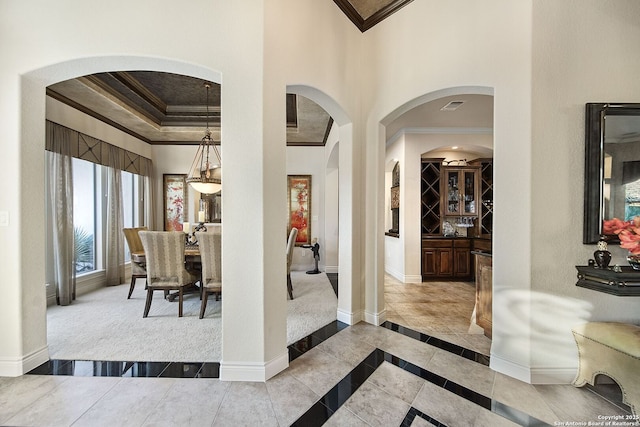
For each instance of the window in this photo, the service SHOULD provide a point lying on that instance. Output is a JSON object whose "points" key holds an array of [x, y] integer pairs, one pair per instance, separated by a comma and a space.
{"points": [[632, 199], [88, 211], [84, 214], [132, 204]]}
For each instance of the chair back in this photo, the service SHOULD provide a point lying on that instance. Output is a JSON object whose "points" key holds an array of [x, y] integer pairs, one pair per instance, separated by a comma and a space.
{"points": [[210, 246], [291, 243], [164, 252], [133, 239]]}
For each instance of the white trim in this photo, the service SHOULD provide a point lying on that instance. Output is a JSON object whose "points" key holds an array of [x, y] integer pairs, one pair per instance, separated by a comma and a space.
{"points": [[553, 375], [510, 368], [404, 278], [439, 131], [546, 375], [254, 371], [331, 269], [349, 318], [15, 367], [375, 318]]}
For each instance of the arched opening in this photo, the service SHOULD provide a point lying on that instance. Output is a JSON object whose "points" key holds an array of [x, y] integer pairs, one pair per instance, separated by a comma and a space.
{"points": [[35, 85], [33, 115], [338, 201], [432, 290]]}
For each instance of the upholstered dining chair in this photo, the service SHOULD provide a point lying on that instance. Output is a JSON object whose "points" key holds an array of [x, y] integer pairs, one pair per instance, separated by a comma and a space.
{"points": [[291, 243], [164, 252], [210, 246], [138, 261]]}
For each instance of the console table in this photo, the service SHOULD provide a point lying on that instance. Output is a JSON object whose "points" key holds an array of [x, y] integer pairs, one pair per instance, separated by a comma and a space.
{"points": [[623, 283]]}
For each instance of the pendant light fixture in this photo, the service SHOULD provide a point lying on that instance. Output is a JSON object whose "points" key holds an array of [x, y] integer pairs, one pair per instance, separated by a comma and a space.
{"points": [[205, 173]]}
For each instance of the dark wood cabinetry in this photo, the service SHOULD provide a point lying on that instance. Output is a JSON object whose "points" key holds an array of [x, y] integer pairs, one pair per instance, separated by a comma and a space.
{"points": [[446, 259], [485, 217], [430, 196]]}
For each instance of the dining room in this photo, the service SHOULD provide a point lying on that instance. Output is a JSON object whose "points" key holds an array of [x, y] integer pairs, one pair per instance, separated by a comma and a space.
{"points": [[156, 192]]}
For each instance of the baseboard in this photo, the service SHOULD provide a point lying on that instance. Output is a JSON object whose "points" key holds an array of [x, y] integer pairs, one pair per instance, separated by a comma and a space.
{"points": [[393, 273], [348, 317], [511, 369], [375, 318], [404, 278], [331, 269], [553, 375], [546, 375], [20, 366], [253, 371]]}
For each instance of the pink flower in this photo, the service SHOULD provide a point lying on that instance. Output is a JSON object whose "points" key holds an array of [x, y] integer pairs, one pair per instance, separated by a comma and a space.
{"points": [[628, 232]]}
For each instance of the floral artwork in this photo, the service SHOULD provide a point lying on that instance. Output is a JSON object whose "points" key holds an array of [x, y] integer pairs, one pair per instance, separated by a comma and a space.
{"points": [[627, 231], [175, 202], [299, 195]]}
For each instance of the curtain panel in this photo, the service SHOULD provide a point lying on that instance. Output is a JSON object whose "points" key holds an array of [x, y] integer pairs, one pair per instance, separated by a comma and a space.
{"points": [[60, 180], [62, 144]]}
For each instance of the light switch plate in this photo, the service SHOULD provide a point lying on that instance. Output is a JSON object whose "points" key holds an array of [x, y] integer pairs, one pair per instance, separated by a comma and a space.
{"points": [[4, 218]]}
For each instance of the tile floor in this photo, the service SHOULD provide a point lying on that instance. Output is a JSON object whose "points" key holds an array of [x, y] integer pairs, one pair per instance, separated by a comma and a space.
{"points": [[407, 372]]}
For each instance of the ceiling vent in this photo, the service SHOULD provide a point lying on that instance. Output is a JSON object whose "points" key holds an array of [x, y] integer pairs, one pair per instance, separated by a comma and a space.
{"points": [[452, 106]]}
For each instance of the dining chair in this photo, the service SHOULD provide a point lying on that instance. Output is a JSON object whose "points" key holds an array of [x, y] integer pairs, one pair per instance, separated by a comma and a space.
{"points": [[164, 252], [138, 261], [210, 246], [291, 243]]}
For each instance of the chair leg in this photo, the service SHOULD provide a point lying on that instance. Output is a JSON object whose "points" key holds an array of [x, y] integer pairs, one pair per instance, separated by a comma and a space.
{"points": [[289, 286], [147, 306], [203, 304], [133, 285], [180, 296]]}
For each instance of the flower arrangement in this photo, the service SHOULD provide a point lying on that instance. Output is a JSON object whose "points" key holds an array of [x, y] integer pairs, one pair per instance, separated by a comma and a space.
{"points": [[627, 231]]}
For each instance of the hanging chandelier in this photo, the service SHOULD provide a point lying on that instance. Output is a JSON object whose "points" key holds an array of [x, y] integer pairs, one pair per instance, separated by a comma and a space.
{"points": [[205, 173]]}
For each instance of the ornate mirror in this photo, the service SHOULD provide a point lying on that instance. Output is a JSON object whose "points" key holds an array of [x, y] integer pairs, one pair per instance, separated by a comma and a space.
{"points": [[612, 165]]}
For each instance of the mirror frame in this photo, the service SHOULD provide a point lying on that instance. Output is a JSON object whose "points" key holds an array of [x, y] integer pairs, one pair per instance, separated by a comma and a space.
{"points": [[594, 164]]}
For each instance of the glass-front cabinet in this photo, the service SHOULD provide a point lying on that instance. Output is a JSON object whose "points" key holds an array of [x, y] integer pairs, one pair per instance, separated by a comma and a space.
{"points": [[461, 191]]}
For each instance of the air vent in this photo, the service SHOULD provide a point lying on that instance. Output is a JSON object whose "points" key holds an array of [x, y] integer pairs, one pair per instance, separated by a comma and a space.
{"points": [[452, 106]]}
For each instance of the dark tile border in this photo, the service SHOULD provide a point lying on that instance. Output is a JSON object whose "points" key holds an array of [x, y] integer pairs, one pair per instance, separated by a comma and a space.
{"points": [[437, 342], [322, 410], [341, 392], [98, 368]]}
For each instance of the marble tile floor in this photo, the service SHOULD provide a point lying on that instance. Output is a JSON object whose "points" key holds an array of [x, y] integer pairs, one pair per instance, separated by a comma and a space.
{"points": [[361, 375]]}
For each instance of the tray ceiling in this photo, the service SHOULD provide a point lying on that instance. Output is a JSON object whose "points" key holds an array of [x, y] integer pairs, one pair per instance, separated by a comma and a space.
{"points": [[165, 108]]}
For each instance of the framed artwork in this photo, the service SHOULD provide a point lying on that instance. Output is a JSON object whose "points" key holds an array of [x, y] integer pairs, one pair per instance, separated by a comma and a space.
{"points": [[299, 202], [175, 201]]}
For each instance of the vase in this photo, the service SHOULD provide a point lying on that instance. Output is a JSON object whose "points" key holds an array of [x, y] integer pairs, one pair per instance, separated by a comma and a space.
{"points": [[634, 261], [602, 255], [602, 258]]}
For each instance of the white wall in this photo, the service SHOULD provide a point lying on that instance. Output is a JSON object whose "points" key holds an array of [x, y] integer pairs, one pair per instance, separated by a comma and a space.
{"points": [[595, 59], [490, 54], [542, 60], [49, 50]]}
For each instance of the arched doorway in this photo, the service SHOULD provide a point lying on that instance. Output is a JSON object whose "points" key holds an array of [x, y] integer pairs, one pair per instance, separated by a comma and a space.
{"points": [[32, 134], [339, 161], [422, 128]]}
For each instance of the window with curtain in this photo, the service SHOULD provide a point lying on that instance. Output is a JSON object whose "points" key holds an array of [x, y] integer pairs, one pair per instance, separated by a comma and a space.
{"points": [[132, 201], [111, 188], [84, 215], [88, 211]]}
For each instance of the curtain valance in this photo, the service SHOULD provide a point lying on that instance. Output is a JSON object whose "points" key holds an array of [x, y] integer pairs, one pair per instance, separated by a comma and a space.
{"points": [[61, 139]]}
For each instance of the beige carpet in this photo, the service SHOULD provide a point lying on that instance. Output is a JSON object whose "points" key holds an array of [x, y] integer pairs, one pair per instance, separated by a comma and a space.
{"points": [[104, 325]]}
